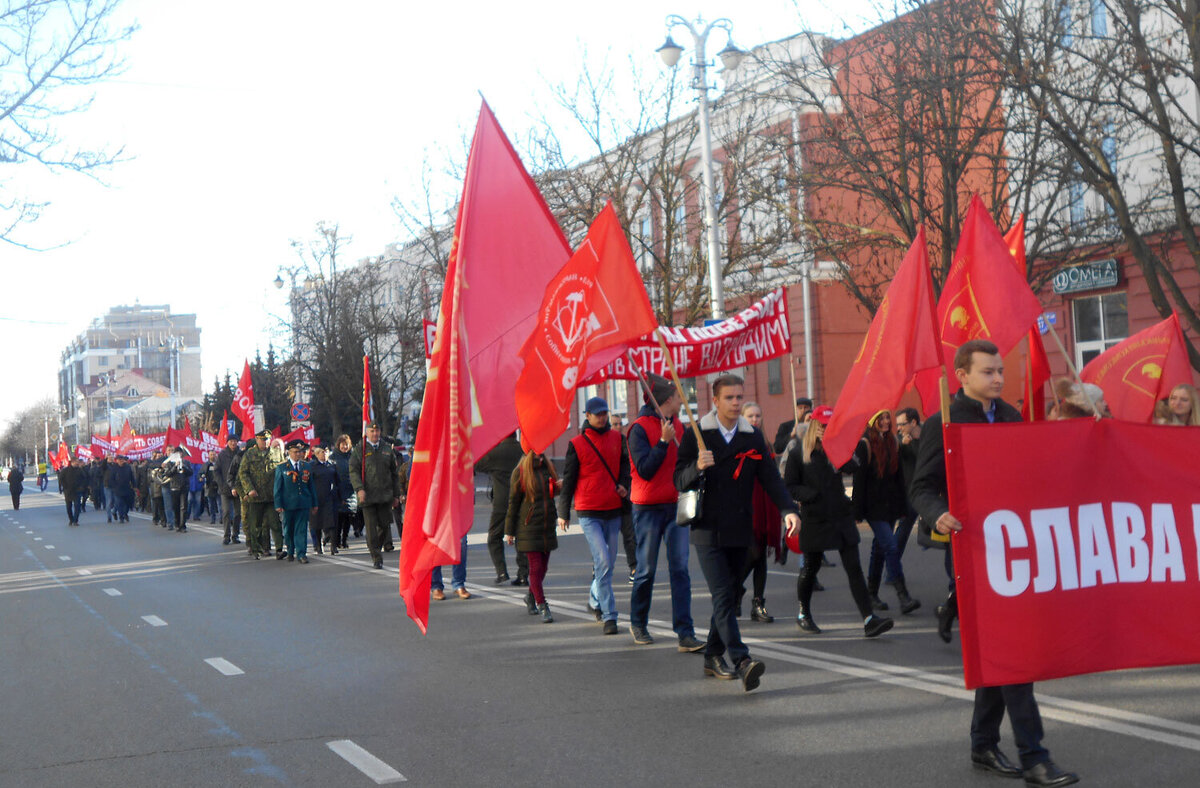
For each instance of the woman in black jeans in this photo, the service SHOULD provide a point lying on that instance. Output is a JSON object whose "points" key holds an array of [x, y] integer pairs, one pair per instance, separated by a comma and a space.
{"points": [[826, 524]]}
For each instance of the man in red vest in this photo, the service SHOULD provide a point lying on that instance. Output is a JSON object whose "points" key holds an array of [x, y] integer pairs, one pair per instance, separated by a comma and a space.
{"points": [[596, 477], [653, 445]]}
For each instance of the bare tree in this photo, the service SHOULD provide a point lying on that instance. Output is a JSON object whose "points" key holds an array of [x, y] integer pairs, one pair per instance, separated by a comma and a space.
{"points": [[52, 54], [26, 431], [1117, 86]]}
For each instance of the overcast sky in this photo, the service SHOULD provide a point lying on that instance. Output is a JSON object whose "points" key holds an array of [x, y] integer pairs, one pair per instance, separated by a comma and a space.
{"points": [[249, 121]]}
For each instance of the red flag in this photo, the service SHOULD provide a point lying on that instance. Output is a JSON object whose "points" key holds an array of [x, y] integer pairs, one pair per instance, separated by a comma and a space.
{"points": [[243, 403], [901, 341], [276, 431], [1143, 369], [368, 407], [506, 248], [187, 426], [223, 430], [597, 301], [1037, 366], [64, 455], [126, 441], [984, 298]]}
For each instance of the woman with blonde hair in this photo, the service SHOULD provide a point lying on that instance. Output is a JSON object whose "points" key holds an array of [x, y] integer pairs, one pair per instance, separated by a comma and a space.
{"points": [[1183, 406], [768, 534], [532, 514]]}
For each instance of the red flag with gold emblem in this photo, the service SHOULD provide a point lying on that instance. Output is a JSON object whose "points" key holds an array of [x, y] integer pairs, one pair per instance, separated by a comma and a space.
{"points": [[900, 342], [1037, 366], [506, 248], [597, 301], [1137, 373], [984, 298]]}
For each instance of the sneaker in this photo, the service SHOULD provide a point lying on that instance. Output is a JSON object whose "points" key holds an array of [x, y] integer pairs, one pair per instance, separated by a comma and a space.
{"points": [[689, 645], [631, 574], [640, 636], [610, 627]]}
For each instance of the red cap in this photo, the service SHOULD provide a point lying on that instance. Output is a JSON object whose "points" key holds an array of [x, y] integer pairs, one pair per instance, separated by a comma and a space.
{"points": [[822, 414]]}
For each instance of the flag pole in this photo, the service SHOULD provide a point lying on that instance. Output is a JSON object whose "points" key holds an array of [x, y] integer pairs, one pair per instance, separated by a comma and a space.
{"points": [[679, 390], [1074, 372]]}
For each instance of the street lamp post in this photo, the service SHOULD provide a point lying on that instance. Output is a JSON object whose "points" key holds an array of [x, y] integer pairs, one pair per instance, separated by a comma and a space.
{"points": [[173, 344], [730, 56], [109, 379]]}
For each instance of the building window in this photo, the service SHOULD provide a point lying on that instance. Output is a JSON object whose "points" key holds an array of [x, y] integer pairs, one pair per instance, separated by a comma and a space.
{"points": [[645, 238], [1100, 322], [619, 401], [1075, 207], [1099, 18], [681, 238], [775, 376]]}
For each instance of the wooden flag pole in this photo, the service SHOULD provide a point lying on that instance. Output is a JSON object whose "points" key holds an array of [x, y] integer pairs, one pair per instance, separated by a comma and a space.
{"points": [[646, 387], [1074, 372], [679, 389]]}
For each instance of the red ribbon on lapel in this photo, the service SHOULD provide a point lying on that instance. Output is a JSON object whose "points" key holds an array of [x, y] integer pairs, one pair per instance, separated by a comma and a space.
{"points": [[741, 458]]}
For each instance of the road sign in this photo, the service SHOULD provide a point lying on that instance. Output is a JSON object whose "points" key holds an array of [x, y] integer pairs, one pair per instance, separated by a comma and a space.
{"points": [[300, 412]]}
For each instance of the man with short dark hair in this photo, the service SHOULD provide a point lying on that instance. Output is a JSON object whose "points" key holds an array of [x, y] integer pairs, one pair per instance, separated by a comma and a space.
{"points": [[225, 469], [734, 459], [979, 368], [73, 484], [794, 428], [377, 480], [294, 498]]}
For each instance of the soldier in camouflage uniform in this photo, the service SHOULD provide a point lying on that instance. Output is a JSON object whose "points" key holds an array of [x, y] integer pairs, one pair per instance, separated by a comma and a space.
{"points": [[379, 492], [256, 484]]}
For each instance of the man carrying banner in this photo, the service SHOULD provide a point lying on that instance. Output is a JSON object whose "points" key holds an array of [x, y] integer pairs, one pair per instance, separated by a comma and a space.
{"points": [[734, 458], [653, 445], [979, 368]]}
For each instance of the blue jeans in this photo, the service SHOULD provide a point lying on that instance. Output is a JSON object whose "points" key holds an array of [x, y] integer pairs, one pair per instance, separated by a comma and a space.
{"points": [[458, 575], [884, 553], [195, 497], [652, 525], [110, 498], [601, 535], [214, 508], [170, 505]]}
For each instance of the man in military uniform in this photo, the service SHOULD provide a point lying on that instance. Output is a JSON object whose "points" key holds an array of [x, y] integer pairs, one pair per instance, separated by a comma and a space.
{"points": [[294, 497], [256, 488], [377, 479]]}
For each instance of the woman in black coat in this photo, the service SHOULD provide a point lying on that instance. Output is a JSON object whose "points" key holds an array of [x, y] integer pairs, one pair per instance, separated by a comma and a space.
{"points": [[347, 510], [826, 524], [15, 486], [529, 524], [323, 519]]}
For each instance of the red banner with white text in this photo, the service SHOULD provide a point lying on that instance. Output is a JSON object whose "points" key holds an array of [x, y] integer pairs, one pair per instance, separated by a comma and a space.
{"points": [[758, 333], [1079, 548]]}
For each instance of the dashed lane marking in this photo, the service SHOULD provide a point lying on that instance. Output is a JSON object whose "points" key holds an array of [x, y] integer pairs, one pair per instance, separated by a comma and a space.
{"points": [[154, 621], [224, 666], [365, 762], [112, 592], [64, 558], [84, 572]]}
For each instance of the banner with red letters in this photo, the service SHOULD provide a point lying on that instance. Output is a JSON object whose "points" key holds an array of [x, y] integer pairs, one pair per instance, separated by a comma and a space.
{"points": [[1080, 548], [758, 333]]}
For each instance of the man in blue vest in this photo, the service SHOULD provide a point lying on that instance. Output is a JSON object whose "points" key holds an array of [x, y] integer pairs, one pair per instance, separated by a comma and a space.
{"points": [[653, 445], [294, 499]]}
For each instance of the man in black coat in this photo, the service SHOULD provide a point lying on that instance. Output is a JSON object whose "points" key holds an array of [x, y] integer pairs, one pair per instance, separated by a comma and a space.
{"points": [[787, 430], [735, 457], [73, 483], [225, 469], [979, 367], [120, 483], [499, 463]]}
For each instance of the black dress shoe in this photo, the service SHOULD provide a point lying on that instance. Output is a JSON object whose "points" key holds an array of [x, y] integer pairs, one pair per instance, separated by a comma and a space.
{"points": [[750, 671], [718, 668], [806, 624], [502, 578], [378, 563], [1047, 775], [992, 760], [521, 581], [280, 556], [387, 548]]}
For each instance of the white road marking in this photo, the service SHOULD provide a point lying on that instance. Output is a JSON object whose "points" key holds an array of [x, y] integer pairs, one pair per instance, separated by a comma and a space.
{"points": [[48, 546], [365, 762], [154, 621], [64, 558], [112, 592], [224, 666], [37, 538], [83, 572]]}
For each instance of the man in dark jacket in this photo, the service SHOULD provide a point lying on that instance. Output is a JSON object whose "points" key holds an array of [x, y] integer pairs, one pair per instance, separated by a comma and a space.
{"points": [[653, 445], [734, 458], [73, 483], [120, 483], [979, 367], [376, 476], [225, 469], [788, 429], [499, 463]]}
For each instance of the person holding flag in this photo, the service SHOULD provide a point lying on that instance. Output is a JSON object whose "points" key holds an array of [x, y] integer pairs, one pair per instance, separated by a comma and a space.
{"points": [[979, 368]]}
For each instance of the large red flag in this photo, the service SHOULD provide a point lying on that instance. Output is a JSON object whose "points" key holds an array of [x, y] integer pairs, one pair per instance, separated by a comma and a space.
{"points": [[64, 455], [901, 341], [243, 403], [597, 301], [1143, 369], [507, 246], [126, 441], [223, 430], [368, 407], [1037, 366], [984, 298]]}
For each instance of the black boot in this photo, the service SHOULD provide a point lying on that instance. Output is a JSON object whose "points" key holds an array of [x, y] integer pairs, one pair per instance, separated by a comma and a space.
{"points": [[530, 604], [873, 592], [907, 603], [738, 605], [804, 589], [547, 618], [758, 611], [946, 613]]}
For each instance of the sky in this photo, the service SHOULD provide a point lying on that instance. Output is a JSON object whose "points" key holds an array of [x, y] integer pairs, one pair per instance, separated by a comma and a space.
{"points": [[246, 123]]}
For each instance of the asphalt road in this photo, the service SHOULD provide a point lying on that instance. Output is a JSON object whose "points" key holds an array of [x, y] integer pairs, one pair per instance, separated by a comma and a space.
{"points": [[133, 656]]}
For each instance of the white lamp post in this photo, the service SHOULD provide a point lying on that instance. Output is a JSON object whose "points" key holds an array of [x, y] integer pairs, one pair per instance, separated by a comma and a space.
{"points": [[730, 56]]}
